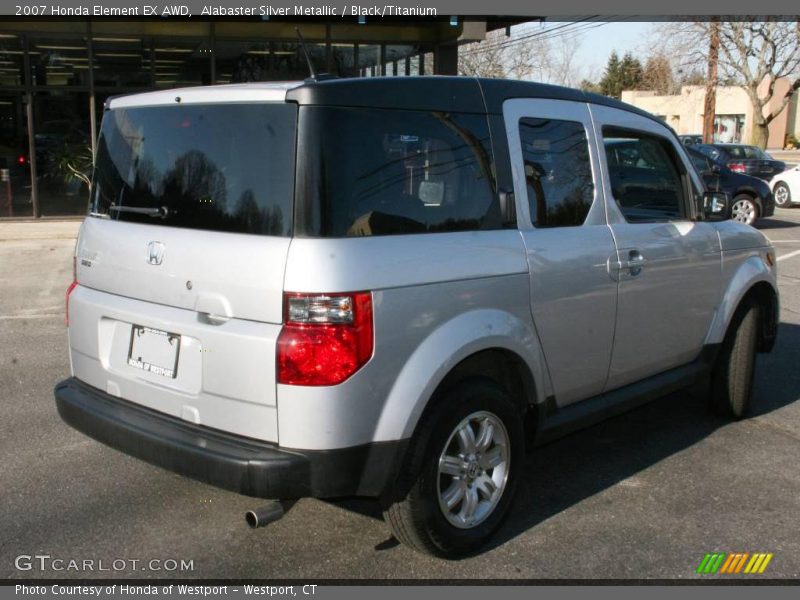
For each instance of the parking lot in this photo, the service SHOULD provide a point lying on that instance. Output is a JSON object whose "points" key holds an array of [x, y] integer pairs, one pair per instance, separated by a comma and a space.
{"points": [[644, 495]]}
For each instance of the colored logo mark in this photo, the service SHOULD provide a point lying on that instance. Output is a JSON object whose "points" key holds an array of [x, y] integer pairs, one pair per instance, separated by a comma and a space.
{"points": [[734, 562]]}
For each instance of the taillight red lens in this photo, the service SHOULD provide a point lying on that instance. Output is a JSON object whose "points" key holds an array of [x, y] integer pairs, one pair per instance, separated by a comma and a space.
{"points": [[325, 338], [70, 288], [738, 167]]}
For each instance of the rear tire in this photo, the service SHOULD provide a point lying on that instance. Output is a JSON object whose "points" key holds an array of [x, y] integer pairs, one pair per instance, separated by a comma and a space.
{"points": [[782, 195], [456, 487], [732, 377]]}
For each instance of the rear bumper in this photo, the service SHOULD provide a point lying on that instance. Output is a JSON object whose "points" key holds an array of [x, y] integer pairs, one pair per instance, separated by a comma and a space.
{"points": [[224, 460]]}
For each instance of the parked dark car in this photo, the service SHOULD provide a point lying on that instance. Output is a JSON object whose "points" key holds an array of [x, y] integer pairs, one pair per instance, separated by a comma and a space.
{"points": [[750, 160], [751, 197], [691, 139]]}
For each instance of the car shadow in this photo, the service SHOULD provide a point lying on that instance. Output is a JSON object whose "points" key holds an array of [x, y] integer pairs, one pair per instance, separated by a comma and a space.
{"points": [[565, 472], [774, 223]]}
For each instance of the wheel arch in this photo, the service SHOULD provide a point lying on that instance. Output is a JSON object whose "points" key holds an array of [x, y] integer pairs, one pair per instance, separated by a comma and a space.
{"points": [[753, 281], [753, 195], [763, 294], [505, 368], [484, 343]]}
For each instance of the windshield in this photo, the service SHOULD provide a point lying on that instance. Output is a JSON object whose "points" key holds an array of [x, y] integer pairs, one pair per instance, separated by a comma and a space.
{"points": [[223, 167]]}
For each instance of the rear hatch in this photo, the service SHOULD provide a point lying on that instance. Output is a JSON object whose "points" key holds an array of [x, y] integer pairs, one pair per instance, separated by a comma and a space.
{"points": [[181, 262]]}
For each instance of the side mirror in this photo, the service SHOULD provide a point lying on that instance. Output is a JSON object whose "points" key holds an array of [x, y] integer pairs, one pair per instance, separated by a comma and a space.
{"points": [[508, 207], [716, 206]]}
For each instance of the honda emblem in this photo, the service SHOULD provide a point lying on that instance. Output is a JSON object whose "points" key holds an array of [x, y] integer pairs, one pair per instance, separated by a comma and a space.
{"points": [[155, 253]]}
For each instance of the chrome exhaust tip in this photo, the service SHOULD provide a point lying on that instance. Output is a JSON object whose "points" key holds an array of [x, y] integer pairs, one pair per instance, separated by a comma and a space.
{"points": [[264, 515]]}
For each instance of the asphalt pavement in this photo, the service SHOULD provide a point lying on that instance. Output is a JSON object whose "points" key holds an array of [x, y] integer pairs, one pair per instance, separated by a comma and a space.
{"points": [[645, 495]]}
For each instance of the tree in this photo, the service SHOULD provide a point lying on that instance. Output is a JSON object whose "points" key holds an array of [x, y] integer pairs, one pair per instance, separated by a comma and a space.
{"points": [[524, 55], [752, 55], [590, 86], [500, 57], [625, 74], [657, 75], [760, 53], [710, 105]]}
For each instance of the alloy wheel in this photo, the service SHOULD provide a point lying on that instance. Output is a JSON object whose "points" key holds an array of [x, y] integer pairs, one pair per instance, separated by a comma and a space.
{"points": [[744, 211], [781, 195], [473, 469]]}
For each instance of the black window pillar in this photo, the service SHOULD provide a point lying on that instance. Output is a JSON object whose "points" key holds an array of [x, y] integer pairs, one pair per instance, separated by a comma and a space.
{"points": [[445, 59]]}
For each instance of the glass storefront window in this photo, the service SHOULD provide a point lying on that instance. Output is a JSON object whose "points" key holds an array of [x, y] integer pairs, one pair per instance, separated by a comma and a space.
{"points": [[59, 61], [290, 62], [414, 69], [243, 61], [343, 60], [399, 53], [728, 128], [15, 173], [129, 60], [63, 149], [121, 62], [11, 61], [181, 62], [427, 63], [368, 58]]}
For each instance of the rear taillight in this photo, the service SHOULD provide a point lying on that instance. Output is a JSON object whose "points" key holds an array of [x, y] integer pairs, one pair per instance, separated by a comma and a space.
{"points": [[325, 338], [738, 167], [70, 288]]}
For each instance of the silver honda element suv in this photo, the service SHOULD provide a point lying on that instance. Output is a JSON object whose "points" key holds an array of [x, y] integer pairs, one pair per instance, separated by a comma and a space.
{"points": [[395, 287]]}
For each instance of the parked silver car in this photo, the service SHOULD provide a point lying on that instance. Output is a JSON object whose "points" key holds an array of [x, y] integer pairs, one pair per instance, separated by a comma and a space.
{"points": [[394, 287]]}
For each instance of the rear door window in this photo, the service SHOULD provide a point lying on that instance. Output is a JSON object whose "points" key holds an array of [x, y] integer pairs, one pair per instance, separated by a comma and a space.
{"points": [[221, 167], [381, 172], [558, 173]]}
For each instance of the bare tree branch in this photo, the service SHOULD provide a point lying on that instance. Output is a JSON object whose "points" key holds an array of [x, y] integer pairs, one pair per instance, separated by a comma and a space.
{"points": [[754, 54]]}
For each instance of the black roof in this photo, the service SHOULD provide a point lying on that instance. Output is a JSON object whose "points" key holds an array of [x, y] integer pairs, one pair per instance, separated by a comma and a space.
{"points": [[447, 94]]}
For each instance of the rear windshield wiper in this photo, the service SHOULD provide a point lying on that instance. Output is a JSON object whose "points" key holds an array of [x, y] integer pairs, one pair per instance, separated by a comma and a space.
{"points": [[161, 212]]}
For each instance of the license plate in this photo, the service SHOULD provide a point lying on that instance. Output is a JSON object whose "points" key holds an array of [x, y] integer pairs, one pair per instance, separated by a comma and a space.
{"points": [[154, 351]]}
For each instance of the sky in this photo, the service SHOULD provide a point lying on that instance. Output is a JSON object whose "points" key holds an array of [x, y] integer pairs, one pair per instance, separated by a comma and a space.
{"points": [[597, 43], [596, 40]]}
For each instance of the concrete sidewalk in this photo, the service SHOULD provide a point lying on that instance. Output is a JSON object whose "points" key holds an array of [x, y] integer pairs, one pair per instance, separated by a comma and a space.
{"points": [[790, 157], [39, 230]]}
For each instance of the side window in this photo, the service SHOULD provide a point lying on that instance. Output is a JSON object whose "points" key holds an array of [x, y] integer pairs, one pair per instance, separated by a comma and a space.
{"points": [[701, 163], [558, 173], [384, 172], [645, 175]]}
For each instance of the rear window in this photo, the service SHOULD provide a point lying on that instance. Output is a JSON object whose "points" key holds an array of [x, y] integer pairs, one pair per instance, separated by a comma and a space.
{"points": [[746, 152], [215, 167], [384, 172]]}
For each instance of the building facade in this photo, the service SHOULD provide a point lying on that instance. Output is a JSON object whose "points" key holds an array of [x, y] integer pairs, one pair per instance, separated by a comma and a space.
{"points": [[55, 76], [734, 112]]}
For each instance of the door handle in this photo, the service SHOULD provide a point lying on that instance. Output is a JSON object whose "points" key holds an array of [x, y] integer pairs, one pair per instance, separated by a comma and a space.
{"points": [[213, 319], [634, 263]]}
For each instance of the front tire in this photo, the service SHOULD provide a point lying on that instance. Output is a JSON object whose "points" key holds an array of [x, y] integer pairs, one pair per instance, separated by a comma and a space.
{"points": [[782, 195], [459, 479], [744, 209], [733, 374]]}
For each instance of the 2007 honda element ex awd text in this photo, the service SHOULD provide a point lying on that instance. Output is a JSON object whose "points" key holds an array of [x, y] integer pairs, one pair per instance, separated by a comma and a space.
{"points": [[394, 287]]}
